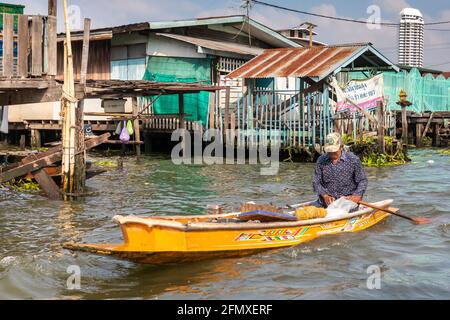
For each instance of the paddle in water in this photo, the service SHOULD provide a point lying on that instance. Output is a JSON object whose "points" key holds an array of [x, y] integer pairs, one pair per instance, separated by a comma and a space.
{"points": [[417, 220]]}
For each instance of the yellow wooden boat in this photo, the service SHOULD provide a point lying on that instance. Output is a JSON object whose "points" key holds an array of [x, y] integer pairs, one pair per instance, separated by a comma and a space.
{"points": [[177, 239]]}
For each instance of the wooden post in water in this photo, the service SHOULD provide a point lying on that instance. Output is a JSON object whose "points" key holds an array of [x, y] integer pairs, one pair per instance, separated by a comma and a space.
{"points": [[419, 128], [404, 125], [136, 126], [227, 109], [380, 120], [71, 182], [181, 110], [35, 139], [182, 125], [79, 174], [212, 108], [22, 142]]}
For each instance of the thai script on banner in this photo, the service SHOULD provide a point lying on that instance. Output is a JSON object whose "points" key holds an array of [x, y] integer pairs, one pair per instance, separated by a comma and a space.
{"points": [[364, 93]]}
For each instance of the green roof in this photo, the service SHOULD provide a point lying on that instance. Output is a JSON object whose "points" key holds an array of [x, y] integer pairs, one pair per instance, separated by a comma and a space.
{"points": [[11, 8]]}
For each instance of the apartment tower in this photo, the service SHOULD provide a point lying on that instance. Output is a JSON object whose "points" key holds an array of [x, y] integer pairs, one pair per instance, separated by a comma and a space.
{"points": [[411, 38]]}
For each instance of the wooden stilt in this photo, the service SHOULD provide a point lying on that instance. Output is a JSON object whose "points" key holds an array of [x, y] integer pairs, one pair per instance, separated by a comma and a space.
{"points": [[148, 142], [35, 139], [419, 128], [227, 108], [212, 109], [181, 110], [404, 126], [380, 120], [22, 143], [136, 126], [79, 176]]}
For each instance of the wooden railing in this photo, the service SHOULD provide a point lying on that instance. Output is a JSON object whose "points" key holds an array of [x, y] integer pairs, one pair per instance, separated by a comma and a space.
{"points": [[168, 123], [28, 46]]}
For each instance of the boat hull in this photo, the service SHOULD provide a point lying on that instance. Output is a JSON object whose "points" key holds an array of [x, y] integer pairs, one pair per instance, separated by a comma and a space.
{"points": [[167, 244]]}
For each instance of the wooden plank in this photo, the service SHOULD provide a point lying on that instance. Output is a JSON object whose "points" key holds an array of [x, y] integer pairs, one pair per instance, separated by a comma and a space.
{"points": [[52, 47], [85, 50], [428, 125], [120, 142], [36, 46], [47, 160], [23, 45], [26, 96], [47, 184], [8, 45]]}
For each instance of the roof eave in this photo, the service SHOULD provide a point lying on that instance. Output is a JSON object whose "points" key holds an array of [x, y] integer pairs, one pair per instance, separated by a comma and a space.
{"points": [[355, 56], [274, 34], [194, 22]]}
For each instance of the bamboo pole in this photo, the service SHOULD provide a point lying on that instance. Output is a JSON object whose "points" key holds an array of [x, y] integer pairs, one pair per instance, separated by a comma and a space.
{"points": [[68, 105]]}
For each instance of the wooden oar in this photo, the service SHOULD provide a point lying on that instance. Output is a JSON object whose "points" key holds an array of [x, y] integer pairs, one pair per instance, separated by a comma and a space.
{"points": [[414, 219]]}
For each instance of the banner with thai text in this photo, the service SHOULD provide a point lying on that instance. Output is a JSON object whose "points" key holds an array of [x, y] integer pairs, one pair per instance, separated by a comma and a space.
{"points": [[364, 93]]}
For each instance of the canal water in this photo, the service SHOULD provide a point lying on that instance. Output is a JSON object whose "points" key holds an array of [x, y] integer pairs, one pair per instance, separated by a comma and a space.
{"points": [[414, 260]]}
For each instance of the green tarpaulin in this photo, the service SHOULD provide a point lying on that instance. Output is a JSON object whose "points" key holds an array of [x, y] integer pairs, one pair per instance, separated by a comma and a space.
{"points": [[171, 69], [425, 92]]}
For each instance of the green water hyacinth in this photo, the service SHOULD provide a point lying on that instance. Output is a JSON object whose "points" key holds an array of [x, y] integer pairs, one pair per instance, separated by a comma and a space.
{"points": [[23, 185]]}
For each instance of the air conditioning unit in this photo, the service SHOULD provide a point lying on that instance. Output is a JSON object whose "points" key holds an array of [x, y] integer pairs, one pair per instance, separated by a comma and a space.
{"points": [[114, 105]]}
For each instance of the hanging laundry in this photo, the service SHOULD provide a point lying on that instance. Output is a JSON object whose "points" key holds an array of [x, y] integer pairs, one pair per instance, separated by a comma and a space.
{"points": [[118, 129], [124, 135], [130, 127]]}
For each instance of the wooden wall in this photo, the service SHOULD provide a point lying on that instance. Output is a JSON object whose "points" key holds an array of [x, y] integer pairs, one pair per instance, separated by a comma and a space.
{"points": [[99, 66]]}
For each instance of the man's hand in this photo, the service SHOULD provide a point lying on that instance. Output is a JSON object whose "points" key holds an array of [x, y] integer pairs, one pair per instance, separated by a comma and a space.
{"points": [[354, 198], [328, 199]]}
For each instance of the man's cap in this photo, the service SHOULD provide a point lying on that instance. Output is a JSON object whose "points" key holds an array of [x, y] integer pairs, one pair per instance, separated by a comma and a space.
{"points": [[334, 142]]}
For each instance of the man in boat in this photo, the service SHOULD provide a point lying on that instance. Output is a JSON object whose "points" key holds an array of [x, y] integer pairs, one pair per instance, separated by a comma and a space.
{"points": [[339, 173]]}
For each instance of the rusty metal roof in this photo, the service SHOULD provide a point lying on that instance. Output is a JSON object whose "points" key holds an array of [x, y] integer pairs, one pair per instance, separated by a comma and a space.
{"points": [[316, 62]]}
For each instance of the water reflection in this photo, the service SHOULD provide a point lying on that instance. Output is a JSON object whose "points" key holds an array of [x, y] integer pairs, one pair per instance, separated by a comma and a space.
{"points": [[33, 265]]}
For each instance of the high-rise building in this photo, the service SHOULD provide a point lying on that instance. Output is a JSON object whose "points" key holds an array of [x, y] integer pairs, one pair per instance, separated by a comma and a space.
{"points": [[411, 38]]}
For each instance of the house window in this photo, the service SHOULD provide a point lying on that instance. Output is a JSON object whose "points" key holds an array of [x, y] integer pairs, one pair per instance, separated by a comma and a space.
{"points": [[128, 62], [229, 64]]}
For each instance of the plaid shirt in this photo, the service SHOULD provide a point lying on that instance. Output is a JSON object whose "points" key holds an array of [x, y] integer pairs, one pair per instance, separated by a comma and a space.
{"points": [[345, 178]]}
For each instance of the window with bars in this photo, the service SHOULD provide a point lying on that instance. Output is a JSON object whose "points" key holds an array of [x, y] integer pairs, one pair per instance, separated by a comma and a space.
{"points": [[229, 64]]}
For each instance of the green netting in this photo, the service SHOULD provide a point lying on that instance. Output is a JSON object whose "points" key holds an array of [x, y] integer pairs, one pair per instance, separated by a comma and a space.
{"points": [[426, 93], [170, 69]]}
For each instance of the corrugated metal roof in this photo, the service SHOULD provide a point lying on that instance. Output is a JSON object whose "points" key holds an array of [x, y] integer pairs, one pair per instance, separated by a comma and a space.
{"points": [[257, 29], [216, 45], [316, 62]]}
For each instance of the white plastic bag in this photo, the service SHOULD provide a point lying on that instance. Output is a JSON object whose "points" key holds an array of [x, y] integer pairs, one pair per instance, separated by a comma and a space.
{"points": [[340, 207]]}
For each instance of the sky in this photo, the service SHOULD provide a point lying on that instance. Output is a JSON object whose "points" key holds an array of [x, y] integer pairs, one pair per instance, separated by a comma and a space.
{"points": [[106, 13]]}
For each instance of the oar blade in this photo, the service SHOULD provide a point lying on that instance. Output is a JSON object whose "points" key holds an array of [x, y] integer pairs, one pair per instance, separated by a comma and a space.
{"points": [[421, 220]]}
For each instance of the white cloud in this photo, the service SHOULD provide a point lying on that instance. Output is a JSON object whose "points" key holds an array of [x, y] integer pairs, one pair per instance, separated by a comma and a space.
{"points": [[392, 6], [117, 12]]}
